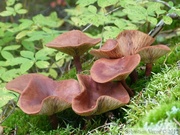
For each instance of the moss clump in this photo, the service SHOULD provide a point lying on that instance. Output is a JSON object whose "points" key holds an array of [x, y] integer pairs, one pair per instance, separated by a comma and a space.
{"points": [[165, 111], [22, 123]]}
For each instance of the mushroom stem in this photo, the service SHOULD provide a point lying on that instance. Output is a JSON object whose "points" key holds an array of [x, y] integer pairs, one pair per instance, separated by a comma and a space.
{"points": [[129, 90], [134, 76], [148, 69], [77, 64], [54, 121]]}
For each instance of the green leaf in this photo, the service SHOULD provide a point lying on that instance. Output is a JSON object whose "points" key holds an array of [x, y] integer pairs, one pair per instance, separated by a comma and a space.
{"points": [[171, 3], [160, 11], [36, 35], [120, 23], [27, 54], [6, 55], [125, 3], [22, 34], [92, 9], [6, 95], [85, 2], [152, 20], [111, 32], [22, 11], [53, 73], [136, 13], [28, 45], [12, 47], [10, 74], [18, 6], [42, 54], [167, 20], [42, 64], [15, 61], [10, 2], [25, 23], [60, 56], [2, 70], [26, 65], [105, 3], [153, 7], [6, 13], [3, 64], [41, 20]]}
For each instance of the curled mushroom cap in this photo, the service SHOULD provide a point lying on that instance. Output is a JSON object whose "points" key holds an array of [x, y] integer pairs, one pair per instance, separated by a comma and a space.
{"points": [[110, 49], [132, 40], [105, 70], [42, 95], [150, 54], [73, 43], [96, 98]]}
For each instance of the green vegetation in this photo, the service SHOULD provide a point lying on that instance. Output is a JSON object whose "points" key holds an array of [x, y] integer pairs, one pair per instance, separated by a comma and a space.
{"points": [[24, 34]]}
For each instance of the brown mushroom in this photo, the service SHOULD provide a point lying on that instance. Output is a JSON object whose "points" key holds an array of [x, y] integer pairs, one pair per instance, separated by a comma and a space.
{"points": [[74, 43], [42, 95], [110, 49], [150, 54], [105, 70], [96, 98], [132, 40]]}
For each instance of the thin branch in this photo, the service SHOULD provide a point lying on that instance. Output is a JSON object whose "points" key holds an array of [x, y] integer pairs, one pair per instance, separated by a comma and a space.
{"points": [[163, 2], [7, 106], [177, 122], [161, 24]]}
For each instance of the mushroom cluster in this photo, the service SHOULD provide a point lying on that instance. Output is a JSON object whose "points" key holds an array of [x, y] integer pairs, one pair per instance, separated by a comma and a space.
{"points": [[103, 90], [130, 42]]}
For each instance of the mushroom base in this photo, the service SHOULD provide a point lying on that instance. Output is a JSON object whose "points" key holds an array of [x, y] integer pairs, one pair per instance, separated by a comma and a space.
{"points": [[148, 69], [129, 90], [54, 121], [134, 76], [77, 64]]}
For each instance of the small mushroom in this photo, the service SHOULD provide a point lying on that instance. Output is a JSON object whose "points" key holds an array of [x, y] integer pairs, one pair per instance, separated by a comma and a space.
{"points": [[110, 50], [106, 70], [150, 54], [42, 95], [96, 98], [74, 43], [132, 40]]}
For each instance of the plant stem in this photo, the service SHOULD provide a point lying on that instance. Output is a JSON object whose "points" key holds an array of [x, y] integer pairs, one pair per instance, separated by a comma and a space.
{"points": [[129, 90], [134, 76], [148, 69], [77, 64], [54, 121]]}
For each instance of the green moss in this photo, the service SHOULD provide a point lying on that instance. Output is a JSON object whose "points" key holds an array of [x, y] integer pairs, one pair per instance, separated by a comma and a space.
{"points": [[23, 122], [160, 88], [162, 112]]}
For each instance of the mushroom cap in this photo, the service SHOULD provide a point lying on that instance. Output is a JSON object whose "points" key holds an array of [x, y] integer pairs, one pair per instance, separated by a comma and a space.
{"points": [[96, 98], [150, 54], [105, 70], [132, 40], [110, 49], [43, 95], [73, 43], [20, 83]]}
